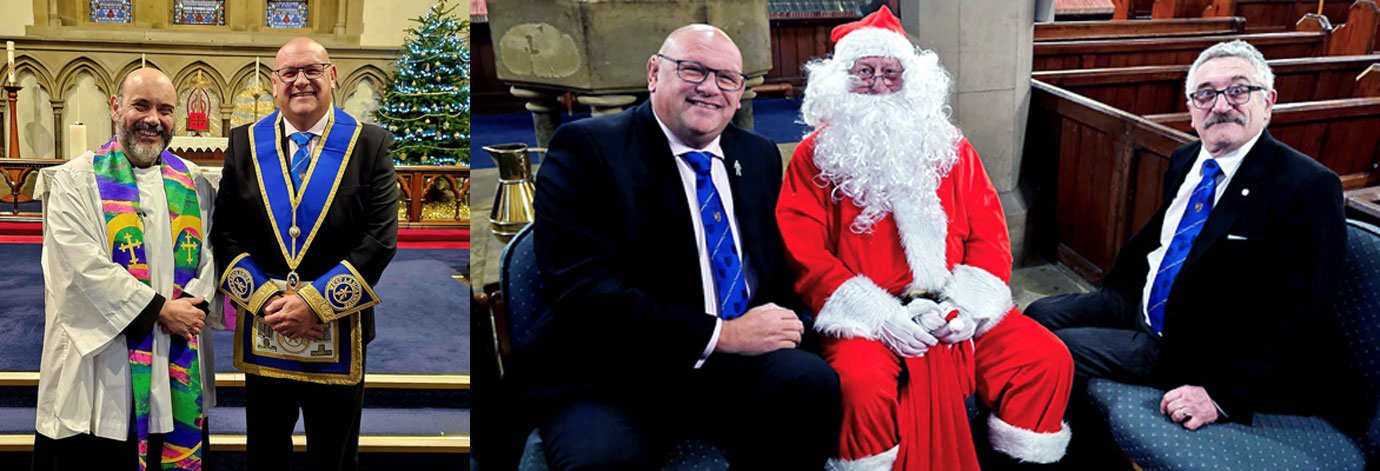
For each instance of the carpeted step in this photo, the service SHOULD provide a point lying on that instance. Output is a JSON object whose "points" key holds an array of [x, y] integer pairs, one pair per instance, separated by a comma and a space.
{"points": [[381, 390]]}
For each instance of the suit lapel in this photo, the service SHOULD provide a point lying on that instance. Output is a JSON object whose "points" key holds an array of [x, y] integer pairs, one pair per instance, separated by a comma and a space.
{"points": [[665, 183], [743, 208], [1229, 208]]}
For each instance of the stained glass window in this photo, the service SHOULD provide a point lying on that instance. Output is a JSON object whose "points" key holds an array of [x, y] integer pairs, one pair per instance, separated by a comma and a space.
{"points": [[111, 11], [285, 13], [199, 12]]}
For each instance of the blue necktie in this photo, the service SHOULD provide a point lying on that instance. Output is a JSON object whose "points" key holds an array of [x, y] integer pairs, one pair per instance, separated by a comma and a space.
{"points": [[718, 237], [1195, 215], [298, 167]]}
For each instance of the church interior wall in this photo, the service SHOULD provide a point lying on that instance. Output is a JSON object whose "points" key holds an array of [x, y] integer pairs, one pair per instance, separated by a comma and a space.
{"points": [[69, 66]]}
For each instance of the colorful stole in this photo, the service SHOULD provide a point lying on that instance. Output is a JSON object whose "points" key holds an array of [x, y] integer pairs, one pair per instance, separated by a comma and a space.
{"points": [[296, 217], [124, 231]]}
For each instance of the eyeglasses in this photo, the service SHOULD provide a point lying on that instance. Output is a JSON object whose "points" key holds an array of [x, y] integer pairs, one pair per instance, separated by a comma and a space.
{"points": [[866, 75], [1206, 98], [695, 72], [312, 71]]}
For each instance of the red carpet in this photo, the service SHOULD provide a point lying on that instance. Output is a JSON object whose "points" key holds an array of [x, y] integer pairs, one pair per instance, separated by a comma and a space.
{"points": [[32, 233]]}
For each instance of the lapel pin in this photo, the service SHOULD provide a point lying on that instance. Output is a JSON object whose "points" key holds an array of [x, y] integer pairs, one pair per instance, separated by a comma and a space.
{"points": [[1245, 192], [738, 168]]}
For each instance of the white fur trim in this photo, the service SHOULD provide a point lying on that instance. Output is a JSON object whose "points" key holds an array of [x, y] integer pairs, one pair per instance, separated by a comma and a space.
{"points": [[857, 309], [879, 462], [872, 42], [979, 294], [922, 237], [1028, 445]]}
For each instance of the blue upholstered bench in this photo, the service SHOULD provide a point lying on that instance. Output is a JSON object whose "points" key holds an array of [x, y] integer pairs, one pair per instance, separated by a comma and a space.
{"points": [[1282, 442], [520, 310]]}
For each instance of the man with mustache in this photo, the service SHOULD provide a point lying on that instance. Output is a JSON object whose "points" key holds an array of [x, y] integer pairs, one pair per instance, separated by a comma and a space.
{"points": [[901, 247], [123, 250], [1224, 298], [308, 222], [671, 307]]}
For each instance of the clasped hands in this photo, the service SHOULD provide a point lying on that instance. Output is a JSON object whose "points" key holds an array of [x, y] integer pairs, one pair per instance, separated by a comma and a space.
{"points": [[921, 324], [290, 315]]}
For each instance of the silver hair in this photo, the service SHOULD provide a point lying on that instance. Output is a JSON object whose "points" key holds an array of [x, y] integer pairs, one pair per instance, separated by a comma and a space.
{"points": [[1237, 48]]}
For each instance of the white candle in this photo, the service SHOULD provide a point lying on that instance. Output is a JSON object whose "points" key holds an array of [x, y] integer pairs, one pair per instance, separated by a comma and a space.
{"points": [[76, 140], [256, 73], [9, 51]]}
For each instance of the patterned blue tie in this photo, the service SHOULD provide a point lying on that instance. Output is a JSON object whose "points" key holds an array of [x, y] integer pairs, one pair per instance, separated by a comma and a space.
{"points": [[300, 159], [1199, 205], [718, 237]]}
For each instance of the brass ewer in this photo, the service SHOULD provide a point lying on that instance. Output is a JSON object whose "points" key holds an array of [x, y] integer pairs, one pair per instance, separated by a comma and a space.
{"points": [[513, 204]]}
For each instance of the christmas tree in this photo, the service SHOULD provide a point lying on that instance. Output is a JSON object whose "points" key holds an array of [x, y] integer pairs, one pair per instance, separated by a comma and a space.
{"points": [[427, 107]]}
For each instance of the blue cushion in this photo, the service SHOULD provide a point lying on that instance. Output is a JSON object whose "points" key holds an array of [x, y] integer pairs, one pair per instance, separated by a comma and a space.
{"points": [[688, 455], [1282, 442], [1358, 314]]}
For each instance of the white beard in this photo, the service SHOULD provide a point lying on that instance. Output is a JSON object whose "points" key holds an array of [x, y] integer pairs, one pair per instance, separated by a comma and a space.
{"points": [[882, 151]]}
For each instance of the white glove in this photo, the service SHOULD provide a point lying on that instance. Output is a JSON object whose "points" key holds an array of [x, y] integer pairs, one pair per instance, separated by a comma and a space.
{"points": [[957, 330], [903, 336]]}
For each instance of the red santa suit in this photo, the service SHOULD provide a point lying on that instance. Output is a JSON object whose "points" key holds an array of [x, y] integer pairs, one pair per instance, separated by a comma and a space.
{"points": [[917, 420]]}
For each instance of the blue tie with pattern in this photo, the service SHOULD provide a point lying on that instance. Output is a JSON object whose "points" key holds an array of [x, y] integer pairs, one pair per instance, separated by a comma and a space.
{"points": [[1199, 205], [298, 167], [718, 238]]}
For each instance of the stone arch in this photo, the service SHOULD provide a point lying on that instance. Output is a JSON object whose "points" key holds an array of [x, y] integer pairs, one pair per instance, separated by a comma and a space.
{"points": [[39, 69], [374, 74], [243, 100], [215, 82], [67, 78]]}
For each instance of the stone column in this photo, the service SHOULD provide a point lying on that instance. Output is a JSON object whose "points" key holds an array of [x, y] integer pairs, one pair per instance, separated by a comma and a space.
{"points": [[986, 47], [600, 105], [59, 127], [226, 110], [546, 111]]}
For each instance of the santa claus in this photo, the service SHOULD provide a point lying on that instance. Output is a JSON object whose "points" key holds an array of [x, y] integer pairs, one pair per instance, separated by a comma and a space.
{"points": [[900, 247]]}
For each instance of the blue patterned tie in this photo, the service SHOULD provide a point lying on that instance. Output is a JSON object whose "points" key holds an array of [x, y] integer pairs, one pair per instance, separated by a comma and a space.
{"points": [[718, 237], [298, 166], [1199, 205]]}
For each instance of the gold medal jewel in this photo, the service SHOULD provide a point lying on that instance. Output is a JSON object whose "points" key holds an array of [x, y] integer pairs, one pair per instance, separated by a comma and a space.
{"points": [[293, 280], [294, 232]]}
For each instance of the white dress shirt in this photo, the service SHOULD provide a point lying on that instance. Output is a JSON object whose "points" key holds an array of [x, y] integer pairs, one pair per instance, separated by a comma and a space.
{"points": [[316, 131], [720, 176], [84, 381], [1229, 162]]}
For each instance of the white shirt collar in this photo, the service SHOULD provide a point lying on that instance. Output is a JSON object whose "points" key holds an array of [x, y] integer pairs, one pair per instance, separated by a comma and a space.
{"points": [[1229, 161], [316, 129], [679, 148]]}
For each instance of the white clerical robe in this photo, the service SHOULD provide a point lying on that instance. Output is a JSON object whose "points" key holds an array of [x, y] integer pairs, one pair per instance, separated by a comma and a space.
{"points": [[84, 381]]}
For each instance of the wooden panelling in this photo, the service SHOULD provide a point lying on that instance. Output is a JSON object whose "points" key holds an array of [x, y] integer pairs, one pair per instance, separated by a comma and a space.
{"points": [[1089, 30], [1166, 51], [1108, 160]]}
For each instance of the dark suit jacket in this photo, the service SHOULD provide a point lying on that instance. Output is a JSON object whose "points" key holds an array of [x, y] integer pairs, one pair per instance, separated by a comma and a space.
{"points": [[615, 245], [1251, 320], [361, 225]]}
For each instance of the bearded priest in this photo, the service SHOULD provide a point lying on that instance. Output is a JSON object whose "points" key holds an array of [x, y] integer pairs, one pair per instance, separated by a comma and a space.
{"points": [[900, 245], [123, 250]]}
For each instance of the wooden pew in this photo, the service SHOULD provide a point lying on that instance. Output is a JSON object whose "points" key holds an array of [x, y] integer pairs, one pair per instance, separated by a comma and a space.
{"points": [[1261, 15], [1095, 172], [1089, 30], [1339, 133], [1160, 88], [1096, 54]]}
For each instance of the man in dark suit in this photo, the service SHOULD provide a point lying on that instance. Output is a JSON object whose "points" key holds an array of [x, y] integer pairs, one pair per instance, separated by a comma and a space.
{"points": [[308, 222], [1224, 297], [664, 268]]}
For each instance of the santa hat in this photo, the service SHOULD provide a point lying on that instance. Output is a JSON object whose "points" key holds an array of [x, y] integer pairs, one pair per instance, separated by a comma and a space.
{"points": [[879, 34]]}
